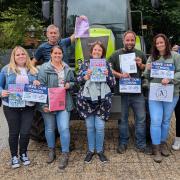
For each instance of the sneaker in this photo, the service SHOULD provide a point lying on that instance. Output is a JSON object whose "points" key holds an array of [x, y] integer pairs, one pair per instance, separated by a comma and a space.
{"points": [[88, 157], [24, 159], [63, 161], [15, 162], [122, 148], [176, 144], [102, 157], [145, 150]]}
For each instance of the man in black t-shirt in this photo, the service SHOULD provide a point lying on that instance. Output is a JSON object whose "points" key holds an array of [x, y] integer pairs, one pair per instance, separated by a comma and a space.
{"points": [[134, 100]]}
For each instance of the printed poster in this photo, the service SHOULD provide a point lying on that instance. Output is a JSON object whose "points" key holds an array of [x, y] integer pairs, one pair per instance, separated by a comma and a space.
{"points": [[15, 96], [56, 98], [81, 27], [162, 70], [98, 66], [128, 63], [130, 85], [159, 92], [35, 93]]}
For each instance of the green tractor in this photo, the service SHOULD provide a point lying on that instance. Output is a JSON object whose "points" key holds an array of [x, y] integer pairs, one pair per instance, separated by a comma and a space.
{"points": [[108, 21]]}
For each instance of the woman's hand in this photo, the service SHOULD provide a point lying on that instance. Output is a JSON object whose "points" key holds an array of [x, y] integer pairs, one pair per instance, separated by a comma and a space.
{"points": [[148, 66], [67, 85], [4, 93], [165, 81], [106, 72], [36, 83], [88, 74], [46, 109]]}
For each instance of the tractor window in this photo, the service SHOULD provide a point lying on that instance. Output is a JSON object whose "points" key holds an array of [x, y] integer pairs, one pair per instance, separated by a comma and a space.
{"points": [[111, 13]]}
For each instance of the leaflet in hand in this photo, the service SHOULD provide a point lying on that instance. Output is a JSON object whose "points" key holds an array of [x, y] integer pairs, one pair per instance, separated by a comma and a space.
{"points": [[159, 92], [98, 66], [35, 93], [162, 70], [81, 27], [128, 63], [57, 98], [15, 96], [130, 85]]}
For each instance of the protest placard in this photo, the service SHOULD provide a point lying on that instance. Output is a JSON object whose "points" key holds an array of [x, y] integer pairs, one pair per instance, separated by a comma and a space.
{"points": [[130, 85], [56, 98], [98, 66], [35, 93]]}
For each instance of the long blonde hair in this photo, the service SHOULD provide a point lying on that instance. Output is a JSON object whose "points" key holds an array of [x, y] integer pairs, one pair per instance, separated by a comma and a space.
{"points": [[28, 65]]}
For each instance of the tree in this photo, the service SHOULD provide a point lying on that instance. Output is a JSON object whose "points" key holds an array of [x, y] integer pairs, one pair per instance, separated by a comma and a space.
{"points": [[164, 19], [16, 21]]}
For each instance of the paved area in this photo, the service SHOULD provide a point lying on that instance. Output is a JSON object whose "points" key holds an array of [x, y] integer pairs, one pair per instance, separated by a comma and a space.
{"points": [[129, 166]]}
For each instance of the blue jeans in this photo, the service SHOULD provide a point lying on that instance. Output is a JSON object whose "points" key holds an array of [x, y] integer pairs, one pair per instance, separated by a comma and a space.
{"points": [[161, 113], [95, 133], [137, 103], [61, 118]]}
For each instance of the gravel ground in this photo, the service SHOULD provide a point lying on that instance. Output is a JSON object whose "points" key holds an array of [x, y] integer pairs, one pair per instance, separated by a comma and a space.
{"points": [[131, 165]]}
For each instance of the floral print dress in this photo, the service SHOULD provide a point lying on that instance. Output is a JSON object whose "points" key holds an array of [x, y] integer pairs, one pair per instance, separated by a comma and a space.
{"points": [[86, 107]]}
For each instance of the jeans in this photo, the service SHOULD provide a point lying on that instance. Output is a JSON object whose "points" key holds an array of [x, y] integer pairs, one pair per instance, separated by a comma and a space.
{"points": [[177, 114], [61, 118], [19, 123], [95, 133], [137, 103], [161, 113]]}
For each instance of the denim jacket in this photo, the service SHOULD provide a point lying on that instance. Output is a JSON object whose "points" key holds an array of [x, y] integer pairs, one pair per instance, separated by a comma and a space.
{"points": [[48, 77], [10, 78]]}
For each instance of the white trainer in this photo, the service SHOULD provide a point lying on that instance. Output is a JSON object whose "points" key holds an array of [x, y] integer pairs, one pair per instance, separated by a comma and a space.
{"points": [[176, 144]]}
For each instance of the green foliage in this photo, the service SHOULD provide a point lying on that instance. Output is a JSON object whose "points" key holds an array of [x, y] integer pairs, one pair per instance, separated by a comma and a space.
{"points": [[14, 27], [165, 19]]}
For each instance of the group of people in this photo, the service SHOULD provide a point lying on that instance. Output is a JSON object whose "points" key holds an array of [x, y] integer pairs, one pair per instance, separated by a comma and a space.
{"points": [[94, 99]]}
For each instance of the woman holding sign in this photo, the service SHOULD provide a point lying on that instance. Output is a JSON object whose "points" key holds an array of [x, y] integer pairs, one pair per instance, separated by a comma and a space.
{"points": [[163, 71], [94, 99], [19, 114], [58, 77]]}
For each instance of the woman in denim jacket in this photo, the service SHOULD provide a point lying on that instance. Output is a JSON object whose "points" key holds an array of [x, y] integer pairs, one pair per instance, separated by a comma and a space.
{"points": [[56, 73], [95, 112], [18, 71]]}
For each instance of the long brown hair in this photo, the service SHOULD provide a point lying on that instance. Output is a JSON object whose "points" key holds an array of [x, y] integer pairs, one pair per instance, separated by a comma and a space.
{"points": [[155, 53]]}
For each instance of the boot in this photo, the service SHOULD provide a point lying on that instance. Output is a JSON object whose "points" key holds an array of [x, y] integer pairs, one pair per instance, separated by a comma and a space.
{"points": [[63, 160], [164, 149], [157, 154], [51, 155]]}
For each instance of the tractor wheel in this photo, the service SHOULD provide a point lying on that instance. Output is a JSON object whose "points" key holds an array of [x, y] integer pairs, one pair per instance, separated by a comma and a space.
{"points": [[37, 129]]}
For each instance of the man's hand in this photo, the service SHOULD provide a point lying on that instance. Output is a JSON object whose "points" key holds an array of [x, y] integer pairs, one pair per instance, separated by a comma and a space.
{"points": [[139, 63]]}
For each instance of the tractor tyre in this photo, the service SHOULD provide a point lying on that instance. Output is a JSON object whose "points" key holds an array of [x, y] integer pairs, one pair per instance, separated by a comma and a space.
{"points": [[37, 129]]}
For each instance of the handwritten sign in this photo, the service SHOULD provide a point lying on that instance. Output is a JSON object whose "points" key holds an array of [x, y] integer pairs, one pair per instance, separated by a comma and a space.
{"points": [[130, 85], [162, 70]]}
